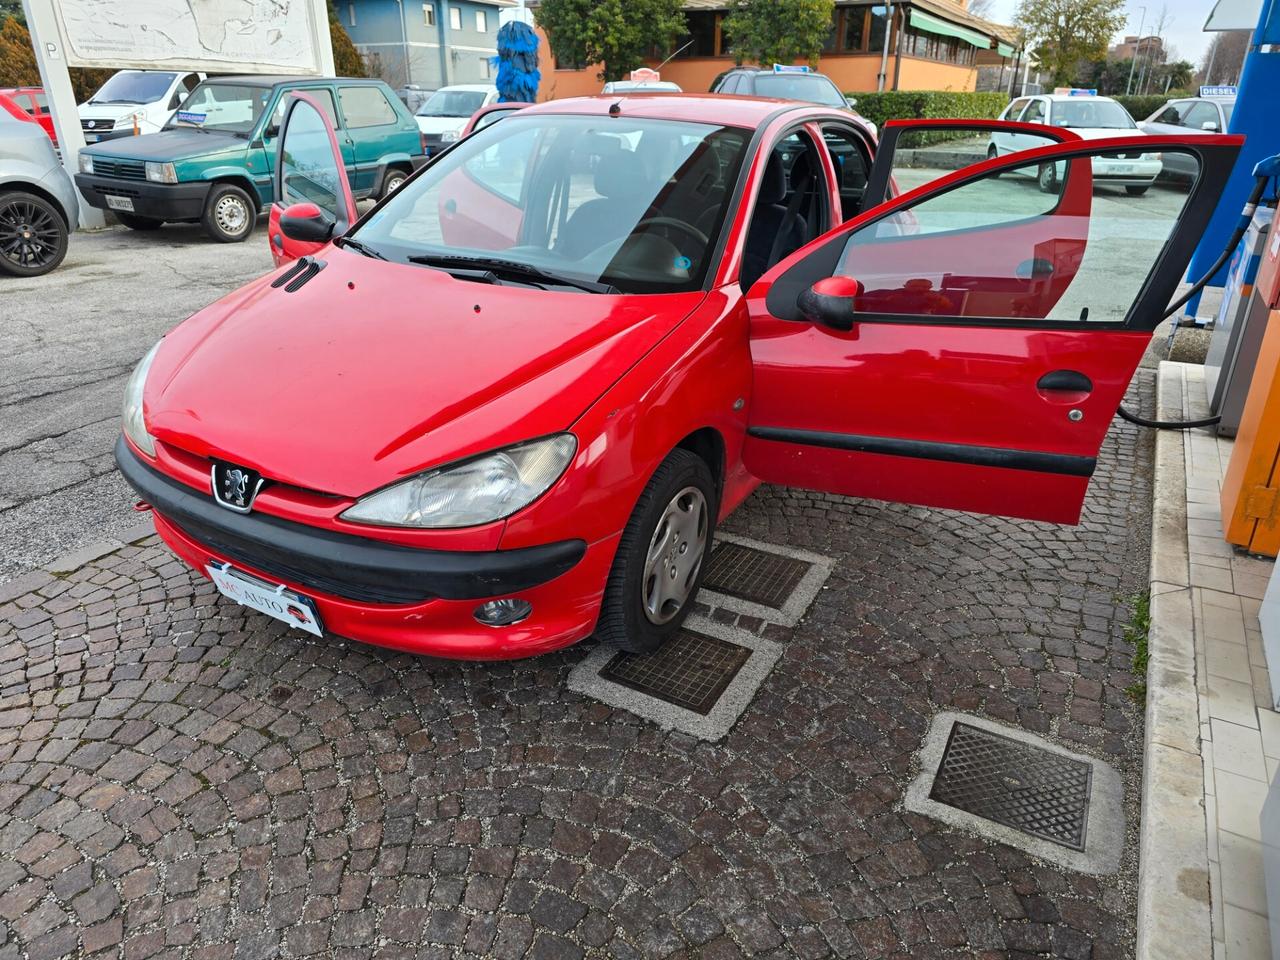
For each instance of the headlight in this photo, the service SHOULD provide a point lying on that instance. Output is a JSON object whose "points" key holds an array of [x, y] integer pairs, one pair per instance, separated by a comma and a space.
{"points": [[1153, 156], [161, 172], [449, 136], [86, 162], [131, 414], [482, 489]]}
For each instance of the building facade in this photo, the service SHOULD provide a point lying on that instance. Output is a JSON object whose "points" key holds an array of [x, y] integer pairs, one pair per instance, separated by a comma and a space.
{"points": [[425, 43], [931, 45], [1132, 47]]}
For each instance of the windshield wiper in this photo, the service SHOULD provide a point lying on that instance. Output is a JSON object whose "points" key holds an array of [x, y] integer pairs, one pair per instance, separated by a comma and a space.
{"points": [[359, 247], [510, 268]]}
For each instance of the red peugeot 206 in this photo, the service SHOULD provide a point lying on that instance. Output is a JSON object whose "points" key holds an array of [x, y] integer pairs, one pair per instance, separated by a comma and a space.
{"points": [[506, 408]]}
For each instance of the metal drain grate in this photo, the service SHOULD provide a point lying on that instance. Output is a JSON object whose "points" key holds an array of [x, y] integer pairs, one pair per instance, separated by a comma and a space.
{"points": [[690, 670], [1015, 784], [755, 575]]}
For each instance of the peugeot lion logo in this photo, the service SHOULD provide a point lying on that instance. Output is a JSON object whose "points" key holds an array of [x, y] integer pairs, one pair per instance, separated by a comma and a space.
{"points": [[235, 487]]}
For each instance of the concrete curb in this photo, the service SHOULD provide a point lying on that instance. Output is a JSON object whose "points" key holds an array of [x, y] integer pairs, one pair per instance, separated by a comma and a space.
{"points": [[1174, 919]]}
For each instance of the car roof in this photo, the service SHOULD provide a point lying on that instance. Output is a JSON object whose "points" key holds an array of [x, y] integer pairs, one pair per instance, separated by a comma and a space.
{"points": [[1064, 97], [261, 80], [726, 109], [470, 87]]}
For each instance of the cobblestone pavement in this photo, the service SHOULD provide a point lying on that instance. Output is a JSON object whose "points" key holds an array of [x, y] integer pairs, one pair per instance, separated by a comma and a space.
{"points": [[181, 779]]}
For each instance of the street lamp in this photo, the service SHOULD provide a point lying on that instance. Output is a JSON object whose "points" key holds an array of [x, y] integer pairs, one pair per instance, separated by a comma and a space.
{"points": [[1134, 59]]}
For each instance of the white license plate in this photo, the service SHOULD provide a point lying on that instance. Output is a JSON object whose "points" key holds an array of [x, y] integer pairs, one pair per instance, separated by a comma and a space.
{"points": [[272, 599], [120, 203], [1122, 168]]}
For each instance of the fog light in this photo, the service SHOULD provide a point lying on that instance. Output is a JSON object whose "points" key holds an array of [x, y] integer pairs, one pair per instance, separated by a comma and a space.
{"points": [[503, 613]]}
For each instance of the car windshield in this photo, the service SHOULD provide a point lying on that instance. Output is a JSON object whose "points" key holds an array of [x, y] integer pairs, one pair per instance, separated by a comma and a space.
{"points": [[629, 204], [134, 86], [452, 103], [224, 107], [1091, 114], [799, 86]]}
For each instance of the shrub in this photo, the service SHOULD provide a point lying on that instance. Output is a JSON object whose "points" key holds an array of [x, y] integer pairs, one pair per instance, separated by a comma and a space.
{"points": [[928, 105], [1142, 107]]}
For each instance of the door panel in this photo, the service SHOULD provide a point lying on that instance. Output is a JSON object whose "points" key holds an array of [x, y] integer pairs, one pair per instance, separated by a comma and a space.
{"points": [[309, 169], [967, 344]]}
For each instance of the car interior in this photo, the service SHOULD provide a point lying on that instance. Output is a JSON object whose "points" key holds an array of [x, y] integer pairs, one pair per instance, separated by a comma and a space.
{"points": [[790, 207]]}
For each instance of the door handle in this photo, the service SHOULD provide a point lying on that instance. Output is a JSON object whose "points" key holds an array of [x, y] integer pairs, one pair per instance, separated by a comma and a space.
{"points": [[1064, 386]]}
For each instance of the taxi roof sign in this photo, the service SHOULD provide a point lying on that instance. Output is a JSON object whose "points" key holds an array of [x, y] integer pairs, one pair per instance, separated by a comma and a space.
{"points": [[1075, 91], [790, 68], [646, 75], [1218, 91]]}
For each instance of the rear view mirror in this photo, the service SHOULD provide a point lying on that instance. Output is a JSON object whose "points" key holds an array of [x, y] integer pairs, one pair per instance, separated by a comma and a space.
{"points": [[272, 131], [851, 101], [1209, 125], [306, 222], [831, 302]]}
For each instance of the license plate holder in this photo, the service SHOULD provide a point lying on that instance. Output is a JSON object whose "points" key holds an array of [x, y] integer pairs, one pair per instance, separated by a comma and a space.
{"points": [[119, 203], [273, 599]]}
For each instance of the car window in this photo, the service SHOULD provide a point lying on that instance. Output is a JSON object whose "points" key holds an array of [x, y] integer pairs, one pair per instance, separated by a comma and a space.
{"points": [[1174, 114], [1014, 110], [452, 103], [41, 102], [1226, 113], [308, 169], [322, 95], [223, 107], [493, 116], [636, 203], [1200, 114], [1004, 247], [810, 87], [365, 107], [790, 207], [1091, 114], [134, 86], [1035, 111], [852, 164]]}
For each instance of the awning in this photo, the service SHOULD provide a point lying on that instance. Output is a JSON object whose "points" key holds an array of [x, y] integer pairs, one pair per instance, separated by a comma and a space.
{"points": [[931, 24], [1005, 50]]}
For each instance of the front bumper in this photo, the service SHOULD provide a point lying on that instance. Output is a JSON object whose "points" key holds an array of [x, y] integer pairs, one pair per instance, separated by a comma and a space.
{"points": [[159, 201], [563, 581]]}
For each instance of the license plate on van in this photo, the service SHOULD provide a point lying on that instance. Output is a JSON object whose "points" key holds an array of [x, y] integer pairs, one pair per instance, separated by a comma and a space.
{"points": [[275, 600], [119, 203]]}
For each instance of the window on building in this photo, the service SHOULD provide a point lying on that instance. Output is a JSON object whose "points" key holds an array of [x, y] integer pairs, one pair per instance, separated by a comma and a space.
{"points": [[365, 107], [702, 31], [429, 14], [351, 14], [932, 46], [455, 18], [486, 68], [482, 22]]}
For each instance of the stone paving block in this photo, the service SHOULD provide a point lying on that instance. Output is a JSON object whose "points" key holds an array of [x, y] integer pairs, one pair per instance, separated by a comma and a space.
{"points": [[1237, 749]]}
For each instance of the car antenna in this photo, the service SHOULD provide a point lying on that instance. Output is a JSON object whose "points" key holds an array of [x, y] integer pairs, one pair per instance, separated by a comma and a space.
{"points": [[615, 108]]}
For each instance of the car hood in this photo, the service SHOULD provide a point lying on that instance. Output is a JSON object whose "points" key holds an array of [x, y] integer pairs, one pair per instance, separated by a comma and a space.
{"points": [[374, 371], [167, 145]]}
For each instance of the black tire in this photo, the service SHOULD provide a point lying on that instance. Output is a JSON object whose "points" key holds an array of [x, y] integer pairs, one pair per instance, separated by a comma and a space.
{"points": [[992, 153], [229, 214], [135, 222], [1137, 190], [1047, 178], [33, 235], [625, 622], [392, 181]]}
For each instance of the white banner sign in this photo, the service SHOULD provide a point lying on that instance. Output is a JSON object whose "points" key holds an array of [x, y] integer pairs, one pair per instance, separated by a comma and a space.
{"points": [[216, 36]]}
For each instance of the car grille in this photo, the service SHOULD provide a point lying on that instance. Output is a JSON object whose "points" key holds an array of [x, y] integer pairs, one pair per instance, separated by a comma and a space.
{"points": [[120, 169], [1121, 156], [96, 126]]}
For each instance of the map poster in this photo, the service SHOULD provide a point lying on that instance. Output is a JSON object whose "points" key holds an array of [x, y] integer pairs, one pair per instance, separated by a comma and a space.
{"points": [[216, 36]]}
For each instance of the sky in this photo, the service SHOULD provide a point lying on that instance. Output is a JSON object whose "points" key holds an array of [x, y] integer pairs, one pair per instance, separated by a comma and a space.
{"points": [[1184, 32]]}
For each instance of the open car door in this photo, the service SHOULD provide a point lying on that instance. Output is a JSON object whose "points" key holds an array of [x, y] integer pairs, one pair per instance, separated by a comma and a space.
{"points": [[312, 196], [965, 345]]}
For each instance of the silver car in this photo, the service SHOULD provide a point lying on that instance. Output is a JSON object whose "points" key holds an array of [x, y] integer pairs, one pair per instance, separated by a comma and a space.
{"points": [[38, 203], [1189, 115]]}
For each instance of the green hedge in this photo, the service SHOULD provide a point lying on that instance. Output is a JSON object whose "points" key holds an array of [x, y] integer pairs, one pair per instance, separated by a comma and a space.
{"points": [[928, 104], [1141, 107]]}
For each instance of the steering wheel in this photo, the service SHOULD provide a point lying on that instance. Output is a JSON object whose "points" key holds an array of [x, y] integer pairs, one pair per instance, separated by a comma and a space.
{"points": [[687, 229]]}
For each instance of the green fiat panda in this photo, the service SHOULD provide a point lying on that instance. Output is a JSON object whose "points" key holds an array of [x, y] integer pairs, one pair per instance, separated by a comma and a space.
{"points": [[213, 160]]}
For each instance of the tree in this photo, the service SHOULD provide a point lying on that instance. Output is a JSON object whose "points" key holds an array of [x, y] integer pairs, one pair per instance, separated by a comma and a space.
{"points": [[981, 8], [17, 59], [12, 8], [1064, 32], [347, 61], [617, 34], [778, 31], [1224, 59]]}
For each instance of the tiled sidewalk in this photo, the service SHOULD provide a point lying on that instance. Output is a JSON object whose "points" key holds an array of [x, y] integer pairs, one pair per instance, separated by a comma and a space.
{"points": [[1239, 733]]}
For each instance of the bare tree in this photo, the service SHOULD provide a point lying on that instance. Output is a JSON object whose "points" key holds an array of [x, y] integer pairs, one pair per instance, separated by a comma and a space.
{"points": [[1224, 59], [981, 8]]}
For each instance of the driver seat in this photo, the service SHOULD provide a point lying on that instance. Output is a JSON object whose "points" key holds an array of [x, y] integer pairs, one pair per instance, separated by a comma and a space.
{"points": [[778, 227], [621, 181]]}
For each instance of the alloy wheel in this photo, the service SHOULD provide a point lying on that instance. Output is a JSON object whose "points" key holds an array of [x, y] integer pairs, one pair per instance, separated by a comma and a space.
{"points": [[675, 555], [29, 234]]}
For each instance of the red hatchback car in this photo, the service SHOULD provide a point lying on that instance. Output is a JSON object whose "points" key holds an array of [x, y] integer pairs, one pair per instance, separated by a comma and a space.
{"points": [[33, 105], [506, 408]]}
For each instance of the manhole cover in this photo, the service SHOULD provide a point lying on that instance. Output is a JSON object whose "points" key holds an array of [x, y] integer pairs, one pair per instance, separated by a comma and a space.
{"points": [[755, 575], [690, 670], [1015, 784]]}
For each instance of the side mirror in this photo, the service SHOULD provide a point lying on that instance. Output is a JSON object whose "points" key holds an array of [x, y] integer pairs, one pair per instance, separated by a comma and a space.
{"points": [[305, 222], [851, 101], [831, 302], [1209, 125], [271, 132]]}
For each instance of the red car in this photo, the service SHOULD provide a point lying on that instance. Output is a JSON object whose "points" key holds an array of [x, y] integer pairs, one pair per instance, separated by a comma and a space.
{"points": [[33, 105], [506, 408]]}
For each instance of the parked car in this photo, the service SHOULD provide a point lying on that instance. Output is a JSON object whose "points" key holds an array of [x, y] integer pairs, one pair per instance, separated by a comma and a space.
{"points": [[807, 86], [507, 407], [445, 113], [134, 101], [492, 114], [32, 102], [1091, 118], [641, 86], [38, 204], [213, 160], [1194, 115]]}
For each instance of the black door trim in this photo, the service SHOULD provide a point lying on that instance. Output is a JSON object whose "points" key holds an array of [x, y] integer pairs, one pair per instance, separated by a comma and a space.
{"points": [[1037, 462]]}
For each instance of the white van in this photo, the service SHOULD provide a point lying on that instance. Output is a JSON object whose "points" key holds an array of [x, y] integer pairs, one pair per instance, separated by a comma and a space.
{"points": [[145, 97], [445, 113]]}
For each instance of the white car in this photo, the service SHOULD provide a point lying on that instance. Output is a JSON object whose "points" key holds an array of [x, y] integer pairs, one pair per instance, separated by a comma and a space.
{"points": [[1201, 115], [641, 86], [446, 112], [1090, 117], [140, 101]]}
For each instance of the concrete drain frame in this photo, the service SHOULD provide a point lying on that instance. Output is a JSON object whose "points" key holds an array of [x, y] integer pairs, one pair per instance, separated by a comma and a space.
{"points": [[1101, 834], [800, 596]]}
